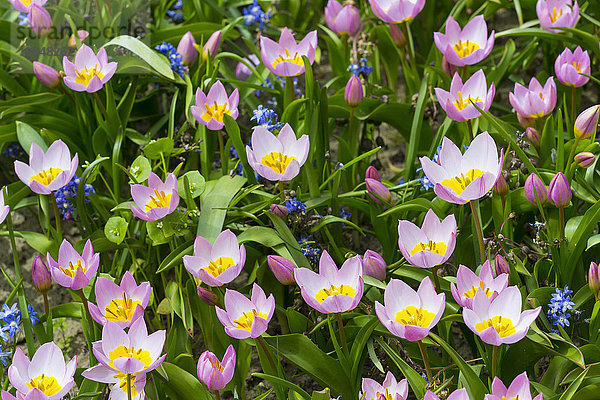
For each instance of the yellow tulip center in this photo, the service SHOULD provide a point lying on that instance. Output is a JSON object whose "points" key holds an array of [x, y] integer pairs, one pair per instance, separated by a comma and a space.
{"points": [[295, 59], [244, 322], [72, 269], [412, 315], [216, 112], [462, 102], [465, 48], [577, 66], [386, 394], [277, 162], [216, 364], [46, 176], [471, 292], [123, 383], [121, 309], [220, 265], [460, 183], [345, 290], [503, 326], [47, 384], [26, 3], [434, 247], [555, 14], [512, 398], [129, 352], [84, 76], [160, 199]]}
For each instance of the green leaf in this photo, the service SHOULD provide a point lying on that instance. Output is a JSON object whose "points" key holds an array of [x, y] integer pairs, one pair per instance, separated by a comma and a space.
{"points": [[154, 149], [183, 383], [196, 183], [140, 169], [27, 135], [159, 63], [116, 229], [417, 383], [284, 383], [233, 130], [215, 202]]}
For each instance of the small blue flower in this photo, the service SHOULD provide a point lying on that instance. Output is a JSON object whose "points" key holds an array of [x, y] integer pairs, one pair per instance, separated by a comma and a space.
{"points": [[4, 355], [13, 150], [254, 14], [266, 118], [345, 214], [295, 206], [559, 307], [69, 191], [174, 57], [355, 69], [12, 327], [32, 314], [8, 314]]}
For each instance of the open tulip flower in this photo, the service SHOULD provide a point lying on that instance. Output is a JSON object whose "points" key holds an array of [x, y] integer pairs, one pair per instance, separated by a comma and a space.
{"points": [[556, 14], [211, 108], [90, 71], [518, 389], [460, 394], [45, 377], [468, 284], [467, 46], [332, 290], [219, 263], [129, 352], [244, 318], [535, 101], [390, 390], [572, 66], [156, 200], [118, 380], [458, 102], [499, 320], [430, 245], [459, 178], [122, 303], [25, 5], [343, 20], [285, 58], [74, 270], [410, 314], [216, 374], [47, 171], [277, 158], [4, 208], [396, 11]]}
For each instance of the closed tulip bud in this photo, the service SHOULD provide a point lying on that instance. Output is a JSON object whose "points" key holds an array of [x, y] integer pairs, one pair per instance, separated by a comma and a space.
{"points": [[216, 374], [594, 279], [377, 190], [40, 20], [559, 191], [212, 45], [40, 274], [535, 190], [586, 122], [501, 266], [282, 268], [46, 74], [82, 36], [585, 159], [187, 49], [397, 36], [207, 296], [533, 136], [374, 265], [372, 173], [448, 68], [501, 187], [279, 210], [354, 92]]}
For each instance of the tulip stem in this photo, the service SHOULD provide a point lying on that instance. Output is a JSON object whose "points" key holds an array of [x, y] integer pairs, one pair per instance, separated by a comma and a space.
{"points": [[494, 361], [46, 304], [477, 223], [342, 332], [561, 219], [222, 153], [289, 88], [436, 279], [573, 104], [56, 216], [87, 311], [101, 106], [425, 361], [262, 343], [571, 158], [411, 54], [128, 386], [281, 192], [217, 395], [470, 128]]}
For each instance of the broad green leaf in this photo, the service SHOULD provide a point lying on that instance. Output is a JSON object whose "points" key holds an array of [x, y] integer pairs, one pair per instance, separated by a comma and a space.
{"points": [[27, 135], [215, 201], [196, 183], [116, 229], [159, 63]]}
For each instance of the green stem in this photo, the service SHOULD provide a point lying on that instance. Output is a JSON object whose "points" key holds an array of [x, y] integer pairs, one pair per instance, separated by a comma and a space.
{"points": [[262, 343], [573, 104], [494, 361], [222, 153], [342, 333], [289, 90], [425, 361], [436, 279], [411, 54], [101, 107], [477, 223], [561, 218], [280, 184], [88, 316], [46, 304], [217, 395], [470, 127], [571, 157], [56, 216], [128, 386]]}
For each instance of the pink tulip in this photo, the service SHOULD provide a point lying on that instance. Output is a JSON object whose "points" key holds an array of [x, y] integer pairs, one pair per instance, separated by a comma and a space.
{"points": [[48, 171], [285, 58], [156, 200], [458, 102], [467, 46], [187, 49], [343, 20], [396, 11], [244, 318], [571, 67], [25, 5], [535, 190], [282, 268], [90, 71], [557, 14], [242, 72], [4, 208], [559, 191], [40, 20], [587, 122], [40, 275], [46, 74], [535, 101], [353, 94], [518, 389], [81, 34], [210, 108], [390, 389], [74, 270], [594, 278], [332, 290], [118, 380], [410, 314], [216, 374], [430, 245], [585, 159], [460, 394], [468, 284], [374, 265], [377, 190], [212, 45]]}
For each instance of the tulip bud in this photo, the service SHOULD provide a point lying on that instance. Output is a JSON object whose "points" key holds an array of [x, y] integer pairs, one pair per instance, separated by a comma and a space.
{"points": [[397, 35], [501, 265], [586, 122], [354, 92], [372, 173], [46, 74], [448, 68], [525, 122], [374, 265], [40, 20], [594, 279], [187, 49], [533, 136], [282, 268], [212, 45], [559, 191], [207, 296], [585, 159], [377, 188], [279, 210], [534, 187], [82, 36], [42, 280], [242, 72], [501, 187]]}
